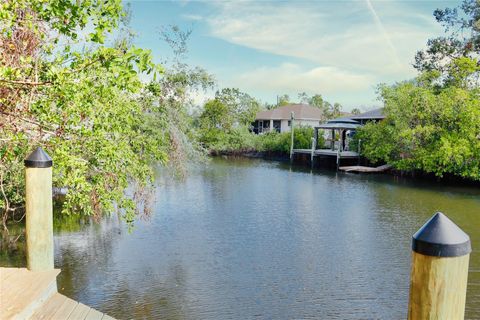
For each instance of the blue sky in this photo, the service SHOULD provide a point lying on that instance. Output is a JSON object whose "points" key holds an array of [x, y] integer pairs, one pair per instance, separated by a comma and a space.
{"points": [[340, 49]]}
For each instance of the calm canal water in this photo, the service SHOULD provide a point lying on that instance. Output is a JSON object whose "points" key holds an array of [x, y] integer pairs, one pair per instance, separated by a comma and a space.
{"points": [[251, 239]]}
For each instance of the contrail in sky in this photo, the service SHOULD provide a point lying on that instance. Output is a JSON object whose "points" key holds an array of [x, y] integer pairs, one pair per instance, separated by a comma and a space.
{"points": [[379, 25]]}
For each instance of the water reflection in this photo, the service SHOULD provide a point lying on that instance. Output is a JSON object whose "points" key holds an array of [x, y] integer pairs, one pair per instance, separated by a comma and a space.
{"points": [[243, 239]]}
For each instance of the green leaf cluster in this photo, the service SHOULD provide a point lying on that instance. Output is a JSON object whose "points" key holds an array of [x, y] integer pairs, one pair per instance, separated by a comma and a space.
{"points": [[280, 142], [429, 127], [86, 106]]}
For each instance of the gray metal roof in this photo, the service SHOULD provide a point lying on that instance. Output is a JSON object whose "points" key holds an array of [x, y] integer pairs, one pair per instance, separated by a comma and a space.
{"points": [[338, 125], [343, 120], [372, 114]]}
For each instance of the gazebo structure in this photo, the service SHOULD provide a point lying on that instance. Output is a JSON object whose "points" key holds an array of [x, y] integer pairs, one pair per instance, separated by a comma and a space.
{"points": [[337, 133], [340, 125], [339, 129]]}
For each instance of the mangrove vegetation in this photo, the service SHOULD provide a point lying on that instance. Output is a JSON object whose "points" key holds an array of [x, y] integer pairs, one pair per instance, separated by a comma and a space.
{"points": [[73, 82]]}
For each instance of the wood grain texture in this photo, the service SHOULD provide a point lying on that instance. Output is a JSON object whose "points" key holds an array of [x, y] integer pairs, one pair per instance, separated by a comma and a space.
{"points": [[28, 294], [39, 218], [23, 291], [438, 287], [80, 312]]}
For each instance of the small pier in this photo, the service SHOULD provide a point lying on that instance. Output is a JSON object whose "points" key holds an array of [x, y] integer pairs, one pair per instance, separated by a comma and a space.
{"points": [[31, 293], [28, 294], [340, 129], [328, 152]]}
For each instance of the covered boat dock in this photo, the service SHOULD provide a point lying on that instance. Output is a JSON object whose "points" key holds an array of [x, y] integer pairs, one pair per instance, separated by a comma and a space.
{"points": [[340, 130]]}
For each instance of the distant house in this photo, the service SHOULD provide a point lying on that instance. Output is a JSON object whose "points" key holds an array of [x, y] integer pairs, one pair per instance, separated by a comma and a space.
{"points": [[279, 119], [372, 115]]}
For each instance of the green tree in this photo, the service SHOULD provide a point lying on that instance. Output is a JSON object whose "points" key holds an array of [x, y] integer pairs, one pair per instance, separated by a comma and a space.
{"points": [[280, 142], [433, 122], [316, 100], [303, 97], [283, 100], [462, 39], [356, 111], [242, 106], [173, 93], [427, 129], [103, 127], [216, 115]]}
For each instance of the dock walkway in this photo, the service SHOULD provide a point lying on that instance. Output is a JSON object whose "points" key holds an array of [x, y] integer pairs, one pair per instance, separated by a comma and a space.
{"points": [[328, 152], [27, 294]]}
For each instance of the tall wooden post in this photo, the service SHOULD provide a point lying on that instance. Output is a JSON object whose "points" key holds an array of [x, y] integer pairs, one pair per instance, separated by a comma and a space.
{"points": [[438, 283], [312, 151], [292, 128], [332, 144], [39, 211], [359, 150]]}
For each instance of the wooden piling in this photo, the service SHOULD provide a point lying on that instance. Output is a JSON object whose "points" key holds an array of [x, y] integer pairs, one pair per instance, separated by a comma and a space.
{"points": [[292, 134], [39, 211], [438, 283]]}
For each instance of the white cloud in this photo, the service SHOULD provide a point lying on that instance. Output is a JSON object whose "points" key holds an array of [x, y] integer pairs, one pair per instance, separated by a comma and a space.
{"points": [[344, 36], [192, 17], [290, 77]]}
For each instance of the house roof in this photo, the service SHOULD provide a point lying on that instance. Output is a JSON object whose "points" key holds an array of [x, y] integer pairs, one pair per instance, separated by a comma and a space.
{"points": [[301, 112], [372, 114]]}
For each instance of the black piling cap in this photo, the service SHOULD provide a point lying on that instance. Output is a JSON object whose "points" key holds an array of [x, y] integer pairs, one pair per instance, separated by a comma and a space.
{"points": [[38, 159], [440, 237]]}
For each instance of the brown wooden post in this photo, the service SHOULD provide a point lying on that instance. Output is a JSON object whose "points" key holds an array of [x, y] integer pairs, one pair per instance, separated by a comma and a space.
{"points": [[39, 211], [438, 283]]}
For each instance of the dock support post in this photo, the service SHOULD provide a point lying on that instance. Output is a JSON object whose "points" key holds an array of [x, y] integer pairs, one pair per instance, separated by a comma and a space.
{"points": [[292, 133], [39, 211], [438, 283], [313, 151], [359, 150], [332, 143], [338, 159]]}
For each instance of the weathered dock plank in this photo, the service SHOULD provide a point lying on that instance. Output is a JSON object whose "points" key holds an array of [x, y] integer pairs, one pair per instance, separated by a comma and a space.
{"points": [[328, 152], [23, 291], [79, 313], [28, 294]]}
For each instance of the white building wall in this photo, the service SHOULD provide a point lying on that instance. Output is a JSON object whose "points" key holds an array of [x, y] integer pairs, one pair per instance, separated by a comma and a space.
{"points": [[304, 123], [284, 126]]}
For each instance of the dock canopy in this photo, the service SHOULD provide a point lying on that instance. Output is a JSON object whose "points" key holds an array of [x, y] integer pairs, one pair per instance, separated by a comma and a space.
{"points": [[340, 123]]}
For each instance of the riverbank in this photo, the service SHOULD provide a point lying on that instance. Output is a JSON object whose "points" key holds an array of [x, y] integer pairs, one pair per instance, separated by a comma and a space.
{"points": [[330, 164]]}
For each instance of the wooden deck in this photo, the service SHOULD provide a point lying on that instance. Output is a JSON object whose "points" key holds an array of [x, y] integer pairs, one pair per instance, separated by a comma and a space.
{"points": [[33, 295], [328, 152]]}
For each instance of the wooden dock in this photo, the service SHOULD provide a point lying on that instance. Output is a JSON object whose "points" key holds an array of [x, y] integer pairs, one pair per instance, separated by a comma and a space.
{"points": [[328, 152], [28, 294]]}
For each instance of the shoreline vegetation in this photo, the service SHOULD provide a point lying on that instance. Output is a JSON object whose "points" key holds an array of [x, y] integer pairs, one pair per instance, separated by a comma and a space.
{"points": [[107, 114], [329, 164]]}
